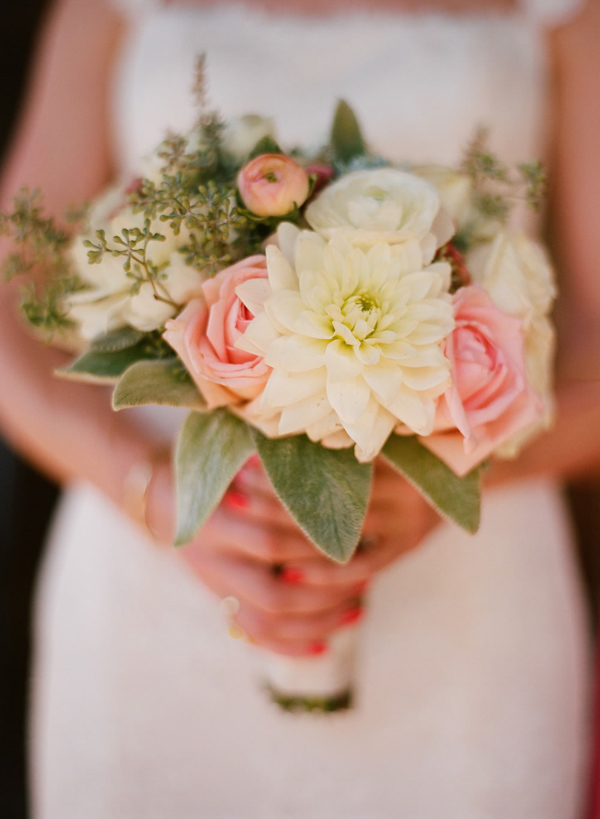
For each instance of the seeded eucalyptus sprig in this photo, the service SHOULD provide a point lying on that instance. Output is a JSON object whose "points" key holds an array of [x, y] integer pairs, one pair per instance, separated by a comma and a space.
{"points": [[41, 247], [132, 246], [496, 186], [39, 240]]}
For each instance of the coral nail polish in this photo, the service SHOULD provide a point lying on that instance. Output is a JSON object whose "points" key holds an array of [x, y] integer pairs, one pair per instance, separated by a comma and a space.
{"points": [[352, 616], [289, 574], [317, 648], [235, 499]]}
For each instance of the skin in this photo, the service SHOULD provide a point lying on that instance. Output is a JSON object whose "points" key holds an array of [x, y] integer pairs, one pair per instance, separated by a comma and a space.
{"points": [[69, 430]]}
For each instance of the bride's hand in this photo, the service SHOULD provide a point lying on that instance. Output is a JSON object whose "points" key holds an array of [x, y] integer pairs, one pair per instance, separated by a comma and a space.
{"points": [[291, 597]]}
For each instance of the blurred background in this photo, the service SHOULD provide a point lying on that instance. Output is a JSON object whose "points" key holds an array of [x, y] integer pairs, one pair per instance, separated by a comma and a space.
{"points": [[27, 499]]}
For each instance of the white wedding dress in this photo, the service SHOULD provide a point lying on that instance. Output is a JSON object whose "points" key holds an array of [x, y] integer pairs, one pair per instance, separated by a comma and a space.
{"points": [[472, 685]]}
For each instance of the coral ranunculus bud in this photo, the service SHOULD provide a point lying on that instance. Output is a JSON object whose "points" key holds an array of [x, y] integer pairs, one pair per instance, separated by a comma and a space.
{"points": [[272, 184]]}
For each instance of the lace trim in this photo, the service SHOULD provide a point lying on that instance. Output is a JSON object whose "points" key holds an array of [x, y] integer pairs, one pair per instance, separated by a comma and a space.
{"points": [[135, 8], [552, 12], [547, 12]]}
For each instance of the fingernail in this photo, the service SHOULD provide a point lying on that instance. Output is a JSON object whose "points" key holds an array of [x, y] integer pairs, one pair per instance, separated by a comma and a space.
{"points": [[289, 574], [235, 499], [253, 460], [317, 648], [352, 616]]}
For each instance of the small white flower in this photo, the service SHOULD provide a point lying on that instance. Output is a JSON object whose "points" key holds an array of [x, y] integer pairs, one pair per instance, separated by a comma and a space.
{"points": [[353, 336], [380, 205], [108, 303]]}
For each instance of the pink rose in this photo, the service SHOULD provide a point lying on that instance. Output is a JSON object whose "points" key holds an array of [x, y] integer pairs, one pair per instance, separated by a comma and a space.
{"points": [[205, 332], [272, 184], [490, 398]]}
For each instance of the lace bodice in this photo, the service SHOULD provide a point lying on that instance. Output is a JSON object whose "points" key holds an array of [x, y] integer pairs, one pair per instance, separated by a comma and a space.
{"points": [[419, 83]]}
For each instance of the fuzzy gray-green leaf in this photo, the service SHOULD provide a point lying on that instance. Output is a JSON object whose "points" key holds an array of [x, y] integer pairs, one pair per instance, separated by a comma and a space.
{"points": [[104, 367], [325, 490], [121, 339], [210, 451], [163, 381], [455, 498], [346, 137]]}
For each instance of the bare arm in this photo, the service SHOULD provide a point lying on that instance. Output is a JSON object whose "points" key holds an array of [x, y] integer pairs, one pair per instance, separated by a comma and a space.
{"points": [[572, 447], [62, 147]]}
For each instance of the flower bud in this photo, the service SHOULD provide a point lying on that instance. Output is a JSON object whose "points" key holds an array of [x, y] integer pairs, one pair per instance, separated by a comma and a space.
{"points": [[271, 184]]}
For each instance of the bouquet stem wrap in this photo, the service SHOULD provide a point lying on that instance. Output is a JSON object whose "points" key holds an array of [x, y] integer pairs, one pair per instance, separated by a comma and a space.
{"points": [[323, 683]]}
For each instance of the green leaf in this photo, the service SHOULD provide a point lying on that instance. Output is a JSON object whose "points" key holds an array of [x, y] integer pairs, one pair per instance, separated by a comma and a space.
{"points": [[210, 451], [266, 145], [163, 381], [120, 339], [325, 490], [106, 368], [346, 137], [455, 498]]}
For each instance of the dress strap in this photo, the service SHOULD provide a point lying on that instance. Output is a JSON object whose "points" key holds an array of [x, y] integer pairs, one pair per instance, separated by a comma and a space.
{"points": [[135, 8], [551, 12]]}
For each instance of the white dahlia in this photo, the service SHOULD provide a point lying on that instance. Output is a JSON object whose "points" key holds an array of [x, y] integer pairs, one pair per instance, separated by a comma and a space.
{"points": [[353, 336]]}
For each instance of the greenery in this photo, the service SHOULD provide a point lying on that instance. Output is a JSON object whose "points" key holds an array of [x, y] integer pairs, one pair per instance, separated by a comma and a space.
{"points": [[496, 186], [40, 249]]}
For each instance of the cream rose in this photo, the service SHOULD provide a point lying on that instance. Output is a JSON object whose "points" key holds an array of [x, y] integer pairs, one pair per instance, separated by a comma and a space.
{"points": [[490, 398], [455, 190], [204, 336]]}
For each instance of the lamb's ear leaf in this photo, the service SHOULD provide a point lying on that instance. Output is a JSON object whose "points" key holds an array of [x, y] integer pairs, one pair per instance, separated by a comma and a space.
{"points": [[458, 499], [163, 381], [116, 340], [211, 449], [325, 490], [100, 366]]}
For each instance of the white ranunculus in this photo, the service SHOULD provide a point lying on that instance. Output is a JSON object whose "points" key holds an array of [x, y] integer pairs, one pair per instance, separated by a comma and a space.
{"points": [[519, 278], [107, 303], [241, 134], [354, 339], [380, 205]]}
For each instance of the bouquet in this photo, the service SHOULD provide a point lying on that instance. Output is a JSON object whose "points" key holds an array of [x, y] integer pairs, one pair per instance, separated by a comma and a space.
{"points": [[320, 309]]}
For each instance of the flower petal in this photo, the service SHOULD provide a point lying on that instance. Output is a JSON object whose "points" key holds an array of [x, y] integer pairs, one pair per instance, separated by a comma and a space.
{"points": [[349, 398]]}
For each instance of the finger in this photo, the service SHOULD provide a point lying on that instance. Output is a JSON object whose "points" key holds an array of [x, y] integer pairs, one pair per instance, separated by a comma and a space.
{"points": [[253, 583], [357, 572], [269, 544], [295, 629], [256, 506]]}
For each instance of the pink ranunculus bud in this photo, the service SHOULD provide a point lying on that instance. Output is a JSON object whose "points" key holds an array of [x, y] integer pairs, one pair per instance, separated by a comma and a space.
{"points": [[324, 174], [271, 184], [204, 337], [490, 398]]}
